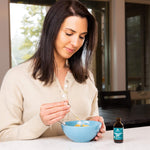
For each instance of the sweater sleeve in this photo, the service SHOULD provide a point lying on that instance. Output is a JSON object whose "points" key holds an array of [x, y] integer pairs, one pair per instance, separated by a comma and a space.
{"points": [[12, 126]]}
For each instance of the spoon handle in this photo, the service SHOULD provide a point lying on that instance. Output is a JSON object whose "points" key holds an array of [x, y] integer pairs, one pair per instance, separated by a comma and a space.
{"points": [[77, 117], [62, 123]]}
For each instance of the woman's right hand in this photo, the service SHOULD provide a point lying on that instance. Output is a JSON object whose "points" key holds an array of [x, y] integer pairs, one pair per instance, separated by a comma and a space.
{"points": [[52, 112]]}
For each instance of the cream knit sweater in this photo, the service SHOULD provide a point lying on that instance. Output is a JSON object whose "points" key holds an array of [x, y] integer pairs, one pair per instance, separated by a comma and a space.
{"points": [[21, 97]]}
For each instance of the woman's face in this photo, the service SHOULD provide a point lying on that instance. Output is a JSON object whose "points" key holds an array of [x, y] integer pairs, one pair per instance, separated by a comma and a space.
{"points": [[70, 37]]}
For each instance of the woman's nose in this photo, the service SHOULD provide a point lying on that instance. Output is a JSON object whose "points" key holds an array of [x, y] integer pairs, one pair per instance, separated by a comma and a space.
{"points": [[75, 41]]}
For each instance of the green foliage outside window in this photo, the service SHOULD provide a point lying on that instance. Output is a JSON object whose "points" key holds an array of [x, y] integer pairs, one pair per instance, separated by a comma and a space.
{"points": [[31, 29]]}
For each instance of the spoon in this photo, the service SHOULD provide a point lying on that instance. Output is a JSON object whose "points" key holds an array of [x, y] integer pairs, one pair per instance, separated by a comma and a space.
{"points": [[62, 123], [77, 117], [66, 93]]}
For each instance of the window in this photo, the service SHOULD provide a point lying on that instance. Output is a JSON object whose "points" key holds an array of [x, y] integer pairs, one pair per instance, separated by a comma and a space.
{"points": [[26, 25], [137, 46]]}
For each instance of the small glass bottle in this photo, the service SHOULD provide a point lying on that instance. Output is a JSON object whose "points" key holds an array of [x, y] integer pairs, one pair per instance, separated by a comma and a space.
{"points": [[118, 131]]}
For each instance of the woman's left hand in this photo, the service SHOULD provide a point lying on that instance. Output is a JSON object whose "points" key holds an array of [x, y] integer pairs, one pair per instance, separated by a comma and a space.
{"points": [[103, 127]]}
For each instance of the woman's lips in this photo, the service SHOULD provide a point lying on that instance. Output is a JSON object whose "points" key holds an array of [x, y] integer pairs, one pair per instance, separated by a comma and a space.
{"points": [[70, 50]]}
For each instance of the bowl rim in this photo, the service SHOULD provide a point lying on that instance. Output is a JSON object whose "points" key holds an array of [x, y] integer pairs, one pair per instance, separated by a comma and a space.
{"points": [[99, 123]]}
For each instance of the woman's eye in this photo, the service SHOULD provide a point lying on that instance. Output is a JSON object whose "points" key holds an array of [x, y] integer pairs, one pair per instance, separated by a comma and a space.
{"points": [[82, 37], [68, 34]]}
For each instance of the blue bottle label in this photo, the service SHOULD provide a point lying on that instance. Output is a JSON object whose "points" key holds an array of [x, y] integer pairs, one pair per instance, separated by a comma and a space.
{"points": [[118, 133]]}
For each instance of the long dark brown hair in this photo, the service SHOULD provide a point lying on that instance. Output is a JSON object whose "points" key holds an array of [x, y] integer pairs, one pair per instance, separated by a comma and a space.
{"points": [[43, 68]]}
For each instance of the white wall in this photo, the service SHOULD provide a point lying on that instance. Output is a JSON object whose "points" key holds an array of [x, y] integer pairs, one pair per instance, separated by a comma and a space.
{"points": [[4, 38]]}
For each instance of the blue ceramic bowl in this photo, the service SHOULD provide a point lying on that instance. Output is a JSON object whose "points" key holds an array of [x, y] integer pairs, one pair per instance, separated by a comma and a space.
{"points": [[81, 134]]}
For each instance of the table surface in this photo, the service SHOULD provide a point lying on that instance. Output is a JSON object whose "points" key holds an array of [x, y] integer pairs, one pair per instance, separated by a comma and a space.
{"points": [[134, 138], [137, 115]]}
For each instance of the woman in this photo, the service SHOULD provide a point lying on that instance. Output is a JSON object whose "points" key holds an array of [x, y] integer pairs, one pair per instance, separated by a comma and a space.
{"points": [[55, 84]]}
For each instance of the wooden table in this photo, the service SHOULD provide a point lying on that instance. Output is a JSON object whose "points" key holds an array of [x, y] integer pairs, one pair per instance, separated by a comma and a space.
{"points": [[137, 115], [134, 139]]}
